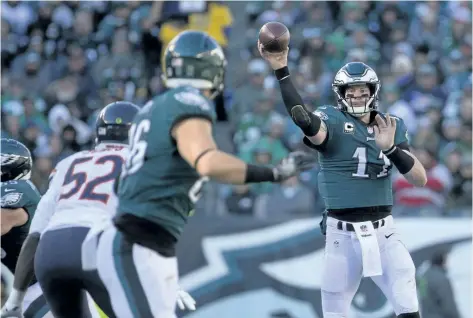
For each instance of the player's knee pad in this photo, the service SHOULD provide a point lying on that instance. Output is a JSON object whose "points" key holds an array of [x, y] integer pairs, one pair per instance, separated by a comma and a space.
{"points": [[335, 274], [404, 292], [402, 280], [410, 315], [334, 285]]}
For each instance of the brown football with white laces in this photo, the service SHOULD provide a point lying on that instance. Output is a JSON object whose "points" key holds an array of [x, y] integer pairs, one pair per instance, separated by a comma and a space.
{"points": [[274, 36]]}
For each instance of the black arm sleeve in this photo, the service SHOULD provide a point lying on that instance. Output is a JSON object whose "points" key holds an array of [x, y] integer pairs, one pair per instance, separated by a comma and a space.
{"points": [[24, 269], [404, 146], [400, 159], [289, 93], [256, 174], [308, 122], [320, 148]]}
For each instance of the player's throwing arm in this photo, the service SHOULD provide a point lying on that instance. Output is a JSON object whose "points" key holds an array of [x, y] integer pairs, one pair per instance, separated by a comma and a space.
{"points": [[312, 127]]}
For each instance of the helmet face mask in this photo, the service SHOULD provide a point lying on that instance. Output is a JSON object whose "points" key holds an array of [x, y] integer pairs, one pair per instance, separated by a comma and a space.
{"points": [[356, 86], [195, 59]]}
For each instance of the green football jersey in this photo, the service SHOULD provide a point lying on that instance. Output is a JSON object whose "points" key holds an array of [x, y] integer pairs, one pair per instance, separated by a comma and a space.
{"points": [[353, 170], [17, 194], [157, 184]]}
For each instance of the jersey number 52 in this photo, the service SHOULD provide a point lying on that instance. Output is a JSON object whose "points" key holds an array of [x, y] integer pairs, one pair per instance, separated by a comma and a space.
{"points": [[87, 187], [138, 147]]}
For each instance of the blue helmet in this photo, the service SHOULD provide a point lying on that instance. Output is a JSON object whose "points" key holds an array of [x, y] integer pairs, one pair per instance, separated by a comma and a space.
{"points": [[16, 160], [114, 121]]}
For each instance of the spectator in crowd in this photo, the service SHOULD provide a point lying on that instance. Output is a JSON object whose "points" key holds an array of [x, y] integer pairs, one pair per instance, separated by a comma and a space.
{"points": [[436, 294], [429, 200], [460, 199], [426, 89], [32, 72], [241, 201], [62, 61], [247, 95], [289, 198]]}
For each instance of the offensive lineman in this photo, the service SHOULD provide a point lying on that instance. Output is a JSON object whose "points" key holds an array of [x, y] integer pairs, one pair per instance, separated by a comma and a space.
{"points": [[172, 155], [357, 147], [19, 201]]}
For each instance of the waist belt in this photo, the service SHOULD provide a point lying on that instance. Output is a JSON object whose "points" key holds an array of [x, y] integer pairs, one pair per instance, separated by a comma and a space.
{"points": [[349, 227], [362, 214]]}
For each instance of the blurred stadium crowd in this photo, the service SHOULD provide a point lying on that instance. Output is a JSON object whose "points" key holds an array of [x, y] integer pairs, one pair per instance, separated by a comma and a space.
{"points": [[63, 61]]}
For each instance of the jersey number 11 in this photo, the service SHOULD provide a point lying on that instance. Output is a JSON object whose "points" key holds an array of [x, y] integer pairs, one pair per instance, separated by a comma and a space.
{"points": [[360, 154]]}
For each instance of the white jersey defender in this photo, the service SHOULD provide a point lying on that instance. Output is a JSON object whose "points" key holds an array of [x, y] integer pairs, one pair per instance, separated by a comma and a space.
{"points": [[80, 196], [81, 189]]}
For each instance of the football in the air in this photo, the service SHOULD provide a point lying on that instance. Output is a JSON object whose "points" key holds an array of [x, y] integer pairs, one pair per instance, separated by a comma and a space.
{"points": [[274, 37]]}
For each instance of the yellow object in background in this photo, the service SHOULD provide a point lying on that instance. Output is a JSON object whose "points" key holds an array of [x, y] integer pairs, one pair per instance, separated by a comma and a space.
{"points": [[213, 22]]}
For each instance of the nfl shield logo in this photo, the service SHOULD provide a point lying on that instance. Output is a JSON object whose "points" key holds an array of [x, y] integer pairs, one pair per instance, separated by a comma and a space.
{"points": [[370, 130], [364, 228]]}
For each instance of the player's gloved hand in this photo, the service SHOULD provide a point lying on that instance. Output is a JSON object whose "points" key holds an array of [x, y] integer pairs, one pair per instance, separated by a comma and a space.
{"points": [[294, 163], [184, 300], [11, 309], [13, 305]]}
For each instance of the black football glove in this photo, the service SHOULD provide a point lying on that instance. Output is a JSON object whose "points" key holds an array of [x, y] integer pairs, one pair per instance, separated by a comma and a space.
{"points": [[293, 164]]}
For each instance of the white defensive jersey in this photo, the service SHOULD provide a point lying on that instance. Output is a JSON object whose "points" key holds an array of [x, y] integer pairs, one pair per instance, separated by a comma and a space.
{"points": [[81, 189]]}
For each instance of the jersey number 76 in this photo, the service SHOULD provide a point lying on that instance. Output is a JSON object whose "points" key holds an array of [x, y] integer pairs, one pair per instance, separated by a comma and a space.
{"points": [[138, 147]]}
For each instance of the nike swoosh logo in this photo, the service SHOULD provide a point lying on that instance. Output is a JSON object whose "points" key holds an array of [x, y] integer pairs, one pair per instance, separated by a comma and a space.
{"points": [[9, 190], [388, 236]]}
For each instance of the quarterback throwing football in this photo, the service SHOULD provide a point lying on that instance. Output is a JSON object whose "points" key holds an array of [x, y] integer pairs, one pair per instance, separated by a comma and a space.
{"points": [[357, 147]]}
